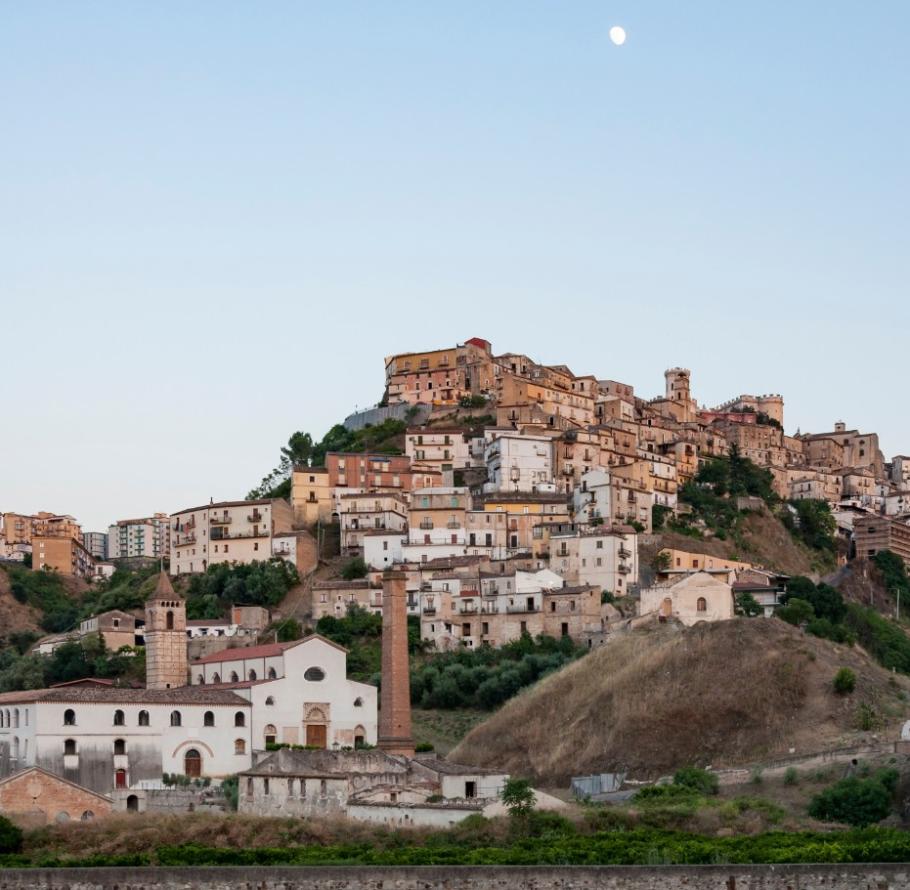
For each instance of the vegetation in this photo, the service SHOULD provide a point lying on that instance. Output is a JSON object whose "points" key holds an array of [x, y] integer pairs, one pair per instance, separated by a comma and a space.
{"points": [[543, 839], [487, 677], [211, 594], [700, 780], [747, 605], [893, 573], [813, 524], [518, 797], [10, 836], [71, 661], [844, 681], [302, 449], [46, 592], [355, 568], [857, 802], [819, 607]]}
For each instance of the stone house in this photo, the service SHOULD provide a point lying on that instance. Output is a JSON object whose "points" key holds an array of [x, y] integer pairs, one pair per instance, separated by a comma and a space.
{"points": [[697, 597], [34, 797]]}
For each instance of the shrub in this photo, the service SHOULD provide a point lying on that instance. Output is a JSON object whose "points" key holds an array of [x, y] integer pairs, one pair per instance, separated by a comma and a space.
{"points": [[10, 836], [423, 747], [857, 802], [518, 797], [757, 778], [699, 780], [791, 776], [844, 681], [354, 569], [797, 611]]}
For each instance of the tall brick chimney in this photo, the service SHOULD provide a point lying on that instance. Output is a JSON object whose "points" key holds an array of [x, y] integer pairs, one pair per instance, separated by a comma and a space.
{"points": [[395, 695]]}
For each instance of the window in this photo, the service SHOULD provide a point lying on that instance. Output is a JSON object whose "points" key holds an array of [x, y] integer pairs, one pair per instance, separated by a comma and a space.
{"points": [[119, 746], [701, 605], [270, 701], [143, 718], [240, 719], [216, 678], [273, 674], [192, 763], [176, 719], [358, 702], [119, 718], [69, 747], [252, 675], [169, 621], [270, 733], [208, 719], [314, 674], [69, 717], [234, 677], [239, 746]]}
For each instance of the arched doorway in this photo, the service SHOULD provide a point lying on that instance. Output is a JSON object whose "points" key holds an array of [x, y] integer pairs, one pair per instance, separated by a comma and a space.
{"points": [[316, 730], [192, 763], [360, 737], [132, 804], [271, 734]]}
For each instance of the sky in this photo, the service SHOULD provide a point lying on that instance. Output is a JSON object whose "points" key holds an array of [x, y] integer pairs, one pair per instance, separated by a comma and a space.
{"points": [[218, 218]]}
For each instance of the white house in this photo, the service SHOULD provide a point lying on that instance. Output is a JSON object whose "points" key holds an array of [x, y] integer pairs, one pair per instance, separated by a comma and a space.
{"points": [[519, 463], [697, 597]]}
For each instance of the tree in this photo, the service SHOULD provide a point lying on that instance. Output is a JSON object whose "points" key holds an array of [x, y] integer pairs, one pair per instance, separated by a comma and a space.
{"points": [[857, 802], [355, 568], [661, 561], [289, 630], [10, 836], [796, 612], [747, 605], [814, 525], [699, 780], [518, 797]]}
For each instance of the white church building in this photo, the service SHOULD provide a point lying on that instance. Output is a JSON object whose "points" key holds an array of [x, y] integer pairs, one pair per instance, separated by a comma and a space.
{"points": [[107, 737]]}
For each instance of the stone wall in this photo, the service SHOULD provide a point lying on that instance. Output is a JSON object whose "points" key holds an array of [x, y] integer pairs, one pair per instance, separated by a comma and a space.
{"points": [[707, 877]]}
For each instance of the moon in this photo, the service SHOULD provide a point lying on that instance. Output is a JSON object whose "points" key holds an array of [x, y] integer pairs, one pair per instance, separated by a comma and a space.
{"points": [[618, 35]]}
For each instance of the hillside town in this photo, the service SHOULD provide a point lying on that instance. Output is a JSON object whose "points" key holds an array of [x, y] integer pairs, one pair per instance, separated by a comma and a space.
{"points": [[516, 500]]}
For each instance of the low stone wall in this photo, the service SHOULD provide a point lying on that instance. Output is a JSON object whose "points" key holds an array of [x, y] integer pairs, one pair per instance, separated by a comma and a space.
{"points": [[706, 877]]}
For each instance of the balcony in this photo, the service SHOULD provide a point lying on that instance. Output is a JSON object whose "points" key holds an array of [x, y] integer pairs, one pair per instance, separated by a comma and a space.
{"points": [[623, 569], [514, 609], [262, 533], [426, 524], [624, 553], [468, 610], [429, 610], [220, 520], [183, 540], [255, 516], [453, 523]]}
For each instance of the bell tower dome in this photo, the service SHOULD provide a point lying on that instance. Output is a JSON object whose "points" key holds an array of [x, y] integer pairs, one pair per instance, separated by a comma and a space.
{"points": [[165, 637]]}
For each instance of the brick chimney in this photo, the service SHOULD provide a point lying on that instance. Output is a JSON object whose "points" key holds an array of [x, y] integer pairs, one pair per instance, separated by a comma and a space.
{"points": [[395, 695]]}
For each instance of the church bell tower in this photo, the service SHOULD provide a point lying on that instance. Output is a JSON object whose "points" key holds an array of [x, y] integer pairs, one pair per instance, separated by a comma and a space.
{"points": [[165, 637]]}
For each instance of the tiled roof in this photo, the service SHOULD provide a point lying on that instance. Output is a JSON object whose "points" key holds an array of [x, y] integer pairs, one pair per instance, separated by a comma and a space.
{"points": [[183, 695], [269, 650]]}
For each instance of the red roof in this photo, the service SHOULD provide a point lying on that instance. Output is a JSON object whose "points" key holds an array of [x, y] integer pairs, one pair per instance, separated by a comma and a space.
{"points": [[240, 653]]}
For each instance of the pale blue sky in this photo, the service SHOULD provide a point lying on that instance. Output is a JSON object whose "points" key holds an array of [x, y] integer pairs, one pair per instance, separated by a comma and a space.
{"points": [[217, 218]]}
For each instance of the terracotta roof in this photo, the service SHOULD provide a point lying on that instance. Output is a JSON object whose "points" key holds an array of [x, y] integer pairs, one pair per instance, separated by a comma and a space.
{"points": [[164, 589], [212, 506], [269, 650], [183, 695]]}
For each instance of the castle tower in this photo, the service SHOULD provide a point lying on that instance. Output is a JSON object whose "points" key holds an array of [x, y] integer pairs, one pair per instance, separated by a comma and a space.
{"points": [[165, 637], [395, 695], [678, 387]]}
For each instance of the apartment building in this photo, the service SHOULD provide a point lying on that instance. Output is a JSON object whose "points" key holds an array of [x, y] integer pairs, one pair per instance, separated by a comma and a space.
{"points": [[601, 498], [311, 495], [20, 528], [145, 538], [442, 449], [436, 526], [517, 462], [63, 554], [96, 544], [872, 534], [506, 522], [377, 511], [440, 376], [228, 531], [335, 598], [603, 557]]}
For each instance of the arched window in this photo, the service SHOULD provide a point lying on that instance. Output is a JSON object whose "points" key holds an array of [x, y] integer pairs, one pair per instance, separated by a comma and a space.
{"points": [[143, 718], [239, 746], [120, 778], [87, 816], [119, 718], [252, 675], [234, 677], [192, 763], [216, 678], [270, 701], [273, 674], [175, 718], [240, 719], [16, 718], [69, 717], [271, 734], [119, 746], [314, 674], [69, 746], [201, 679], [208, 719], [169, 621], [358, 702], [701, 605]]}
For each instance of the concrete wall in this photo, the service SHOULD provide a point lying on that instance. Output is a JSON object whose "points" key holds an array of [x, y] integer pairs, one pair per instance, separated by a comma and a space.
{"points": [[706, 877]]}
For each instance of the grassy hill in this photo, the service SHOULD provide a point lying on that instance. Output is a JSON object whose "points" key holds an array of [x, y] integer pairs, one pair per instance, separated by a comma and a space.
{"points": [[723, 694]]}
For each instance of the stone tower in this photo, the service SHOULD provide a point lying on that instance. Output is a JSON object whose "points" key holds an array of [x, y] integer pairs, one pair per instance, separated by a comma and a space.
{"points": [[165, 637], [678, 386], [395, 695]]}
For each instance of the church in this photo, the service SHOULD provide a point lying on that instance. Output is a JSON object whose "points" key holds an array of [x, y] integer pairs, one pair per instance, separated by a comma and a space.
{"points": [[107, 738]]}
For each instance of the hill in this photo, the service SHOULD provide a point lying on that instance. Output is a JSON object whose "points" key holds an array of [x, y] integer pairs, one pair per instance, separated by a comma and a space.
{"points": [[723, 694], [15, 616]]}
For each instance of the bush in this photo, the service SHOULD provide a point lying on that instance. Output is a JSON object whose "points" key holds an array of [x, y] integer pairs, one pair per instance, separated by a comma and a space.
{"points": [[699, 780], [856, 802], [10, 836], [518, 797], [844, 681], [791, 776]]}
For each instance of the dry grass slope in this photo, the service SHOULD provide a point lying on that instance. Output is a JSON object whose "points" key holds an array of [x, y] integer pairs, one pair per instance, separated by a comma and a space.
{"points": [[14, 616], [724, 694]]}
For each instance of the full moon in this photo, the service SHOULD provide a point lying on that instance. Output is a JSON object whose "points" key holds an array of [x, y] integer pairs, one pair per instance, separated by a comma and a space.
{"points": [[618, 35]]}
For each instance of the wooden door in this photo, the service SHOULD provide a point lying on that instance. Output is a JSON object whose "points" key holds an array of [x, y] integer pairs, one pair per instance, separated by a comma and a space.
{"points": [[316, 735]]}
